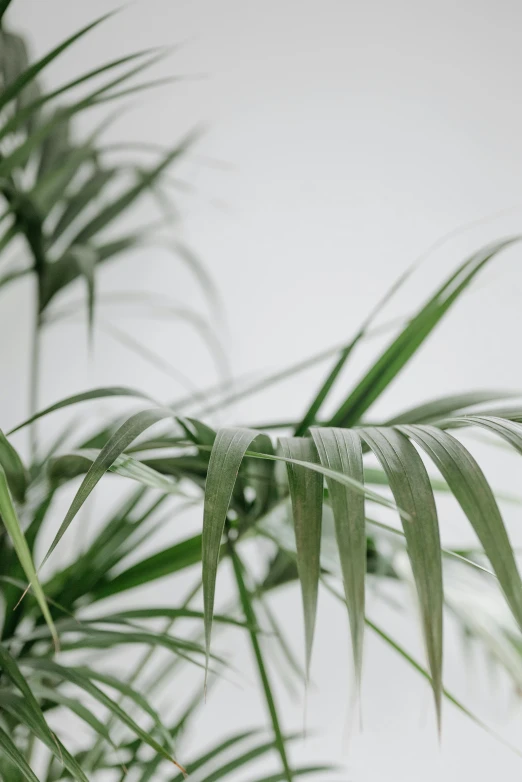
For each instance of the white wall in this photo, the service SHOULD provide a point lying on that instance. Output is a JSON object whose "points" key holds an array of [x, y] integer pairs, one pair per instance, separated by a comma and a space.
{"points": [[342, 140]]}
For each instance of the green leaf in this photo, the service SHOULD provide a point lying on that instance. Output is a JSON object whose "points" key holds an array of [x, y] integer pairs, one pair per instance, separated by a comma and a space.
{"points": [[15, 532], [13, 754], [111, 211], [237, 763], [70, 465], [298, 772], [411, 488], [167, 613], [14, 469], [28, 75], [121, 438], [473, 493], [4, 5], [85, 396], [310, 416], [19, 156], [21, 710], [340, 450], [226, 456], [417, 667], [213, 753], [82, 678], [55, 695], [306, 492], [454, 404], [171, 560], [24, 113], [10, 668], [394, 358]]}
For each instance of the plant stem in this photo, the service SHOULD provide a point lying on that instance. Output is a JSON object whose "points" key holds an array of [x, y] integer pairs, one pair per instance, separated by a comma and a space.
{"points": [[251, 620]]}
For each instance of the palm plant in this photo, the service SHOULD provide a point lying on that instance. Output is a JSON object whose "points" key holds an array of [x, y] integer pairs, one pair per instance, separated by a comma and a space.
{"points": [[307, 494]]}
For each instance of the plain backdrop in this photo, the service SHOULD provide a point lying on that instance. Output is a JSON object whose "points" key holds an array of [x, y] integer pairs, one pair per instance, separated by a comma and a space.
{"points": [[341, 140]]}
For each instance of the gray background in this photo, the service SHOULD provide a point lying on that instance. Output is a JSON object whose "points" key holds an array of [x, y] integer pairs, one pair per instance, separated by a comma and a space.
{"points": [[342, 140]]}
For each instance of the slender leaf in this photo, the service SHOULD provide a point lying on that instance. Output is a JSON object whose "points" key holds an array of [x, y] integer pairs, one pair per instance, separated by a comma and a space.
{"points": [[85, 396], [306, 492], [15, 471], [15, 532], [394, 358], [13, 89], [82, 679], [121, 438], [340, 450], [473, 493], [411, 488], [13, 754], [226, 456]]}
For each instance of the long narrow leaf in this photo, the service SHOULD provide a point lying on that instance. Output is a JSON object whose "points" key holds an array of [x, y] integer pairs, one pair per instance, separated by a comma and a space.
{"points": [[86, 396], [411, 488], [15, 532], [123, 437], [28, 75], [473, 493], [340, 450], [226, 456], [394, 358], [12, 753], [306, 492]]}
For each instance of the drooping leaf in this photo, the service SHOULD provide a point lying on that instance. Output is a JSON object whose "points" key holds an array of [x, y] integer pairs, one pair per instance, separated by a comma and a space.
{"points": [[306, 492], [340, 450], [411, 488], [226, 456], [473, 493]]}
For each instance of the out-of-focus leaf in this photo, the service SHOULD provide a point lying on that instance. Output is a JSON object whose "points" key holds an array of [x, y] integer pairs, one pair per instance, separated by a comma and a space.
{"points": [[85, 396], [82, 678], [18, 84], [15, 471], [13, 754], [21, 710]]}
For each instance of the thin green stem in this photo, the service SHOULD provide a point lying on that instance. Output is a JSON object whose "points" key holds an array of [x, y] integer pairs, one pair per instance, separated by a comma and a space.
{"points": [[250, 617]]}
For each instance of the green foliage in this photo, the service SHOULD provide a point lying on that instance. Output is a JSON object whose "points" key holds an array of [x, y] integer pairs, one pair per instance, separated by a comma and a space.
{"points": [[308, 491]]}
